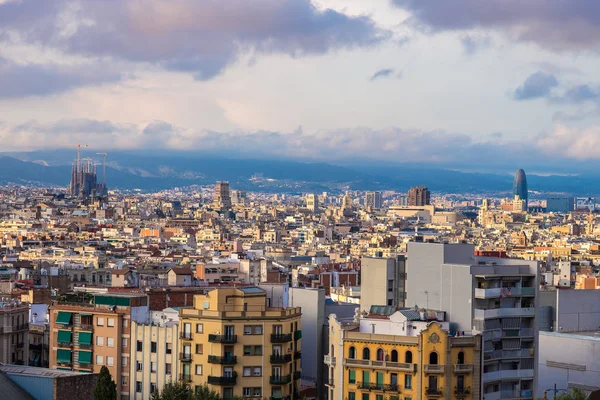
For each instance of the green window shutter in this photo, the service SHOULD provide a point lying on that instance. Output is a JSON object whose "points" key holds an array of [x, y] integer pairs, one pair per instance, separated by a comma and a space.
{"points": [[351, 396], [352, 377], [64, 337], [380, 378], [366, 377], [64, 318], [63, 356], [85, 338], [85, 357]]}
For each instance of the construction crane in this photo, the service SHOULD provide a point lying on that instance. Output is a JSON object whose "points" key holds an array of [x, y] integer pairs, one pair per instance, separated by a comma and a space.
{"points": [[79, 152], [103, 169]]}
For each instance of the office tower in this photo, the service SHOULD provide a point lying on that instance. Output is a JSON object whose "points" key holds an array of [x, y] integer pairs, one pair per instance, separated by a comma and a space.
{"points": [[560, 204], [222, 198], [312, 202], [88, 331], [520, 187], [373, 358], [419, 196], [382, 282], [238, 197], [234, 343], [373, 200], [346, 202], [14, 332], [493, 296]]}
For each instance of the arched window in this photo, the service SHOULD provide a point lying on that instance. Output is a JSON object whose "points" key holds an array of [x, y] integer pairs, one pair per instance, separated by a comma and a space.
{"points": [[394, 356], [461, 357], [352, 352], [408, 357], [366, 354], [380, 355], [433, 358]]}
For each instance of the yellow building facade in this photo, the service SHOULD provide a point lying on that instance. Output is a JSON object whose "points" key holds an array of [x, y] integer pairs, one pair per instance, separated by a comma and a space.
{"points": [[432, 365], [234, 343]]}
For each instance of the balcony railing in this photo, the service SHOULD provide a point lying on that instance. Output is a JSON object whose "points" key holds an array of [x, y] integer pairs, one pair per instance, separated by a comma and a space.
{"points": [[85, 327], [37, 347], [297, 355], [329, 360], [280, 379], [384, 387], [281, 398], [20, 345], [433, 391], [227, 360], [396, 366], [185, 335], [64, 344], [185, 378], [462, 391], [297, 375], [185, 357], [85, 345], [223, 380], [281, 338], [433, 369], [463, 368], [227, 339], [281, 359]]}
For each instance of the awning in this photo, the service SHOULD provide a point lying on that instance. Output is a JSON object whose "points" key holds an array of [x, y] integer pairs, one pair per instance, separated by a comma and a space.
{"points": [[85, 357], [85, 314], [85, 338], [64, 337], [64, 318], [63, 356]]}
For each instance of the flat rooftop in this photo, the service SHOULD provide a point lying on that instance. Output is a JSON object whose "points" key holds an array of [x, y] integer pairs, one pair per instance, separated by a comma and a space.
{"points": [[38, 371], [584, 335]]}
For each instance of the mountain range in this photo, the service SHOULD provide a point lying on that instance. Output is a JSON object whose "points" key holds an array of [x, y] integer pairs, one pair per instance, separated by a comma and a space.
{"points": [[154, 170]]}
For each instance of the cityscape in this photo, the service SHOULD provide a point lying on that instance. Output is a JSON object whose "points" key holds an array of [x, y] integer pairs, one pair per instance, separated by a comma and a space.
{"points": [[299, 200]]}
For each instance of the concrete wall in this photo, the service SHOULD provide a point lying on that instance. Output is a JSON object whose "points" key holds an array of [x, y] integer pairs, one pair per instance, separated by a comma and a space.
{"points": [[374, 274], [579, 366], [578, 310]]}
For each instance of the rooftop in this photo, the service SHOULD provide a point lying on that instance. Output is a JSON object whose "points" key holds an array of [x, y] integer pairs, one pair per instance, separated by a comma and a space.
{"points": [[37, 371]]}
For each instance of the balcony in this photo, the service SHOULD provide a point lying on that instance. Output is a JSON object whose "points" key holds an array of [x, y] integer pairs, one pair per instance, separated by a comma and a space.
{"points": [[223, 380], [433, 392], [85, 327], [227, 360], [280, 379], [330, 382], [463, 368], [395, 366], [224, 339], [462, 391], [20, 345], [36, 347], [64, 344], [185, 335], [505, 312], [281, 337], [508, 374], [297, 375], [297, 355], [185, 357], [329, 360], [185, 378], [281, 359], [433, 369], [86, 346], [281, 398]]}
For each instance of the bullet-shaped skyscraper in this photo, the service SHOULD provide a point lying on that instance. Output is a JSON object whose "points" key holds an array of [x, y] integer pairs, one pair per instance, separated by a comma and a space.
{"points": [[520, 186]]}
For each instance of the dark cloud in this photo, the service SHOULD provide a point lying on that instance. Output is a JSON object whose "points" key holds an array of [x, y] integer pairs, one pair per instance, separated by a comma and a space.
{"points": [[564, 25], [200, 37], [582, 93], [383, 73], [537, 85], [18, 80]]}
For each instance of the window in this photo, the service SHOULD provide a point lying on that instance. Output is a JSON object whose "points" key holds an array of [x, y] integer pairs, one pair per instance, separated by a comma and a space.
{"points": [[110, 322], [100, 321], [256, 392], [169, 348], [110, 342], [152, 366], [380, 355], [199, 328], [408, 357], [461, 357], [247, 392], [433, 358], [124, 323], [366, 376], [168, 368], [198, 369], [152, 387], [460, 383], [366, 354], [390, 285], [110, 361], [352, 352], [365, 396], [247, 330], [247, 371], [247, 350], [138, 387], [123, 381], [258, 330], [394, 356], [352, 376], [199, 348], [124, 361], [99, 341], [153, 347], [138, 366], [100, 360], [258, 350], [407, 381], [257, 371], [351, 396], [139, 345], [124, 342], [378, 397]]}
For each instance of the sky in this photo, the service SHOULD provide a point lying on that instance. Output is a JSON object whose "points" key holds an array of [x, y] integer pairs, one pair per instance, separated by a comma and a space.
{"points": [[461, 83]]}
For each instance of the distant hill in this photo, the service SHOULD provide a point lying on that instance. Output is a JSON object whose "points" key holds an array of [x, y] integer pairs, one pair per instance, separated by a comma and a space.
{"points": [[163, 170]]}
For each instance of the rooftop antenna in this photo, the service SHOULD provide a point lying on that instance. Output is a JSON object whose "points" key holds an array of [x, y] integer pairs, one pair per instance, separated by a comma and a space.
{"points": [[104, 168]]}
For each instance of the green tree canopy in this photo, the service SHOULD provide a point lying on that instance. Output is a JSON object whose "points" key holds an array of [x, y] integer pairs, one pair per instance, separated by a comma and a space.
{"points": [[106, 388]]}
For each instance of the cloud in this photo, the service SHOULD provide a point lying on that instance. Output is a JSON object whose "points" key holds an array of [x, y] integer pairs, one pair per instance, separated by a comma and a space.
{"points": [[581, 93], [386, 73], [200, 37], [572, 143], [473, 43], [537, 85], [22, 80], [561, 25]]}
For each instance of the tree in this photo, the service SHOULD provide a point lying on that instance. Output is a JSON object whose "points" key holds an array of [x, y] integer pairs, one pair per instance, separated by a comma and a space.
{"points": [[174, 391], [106, 388], [574, 394]]}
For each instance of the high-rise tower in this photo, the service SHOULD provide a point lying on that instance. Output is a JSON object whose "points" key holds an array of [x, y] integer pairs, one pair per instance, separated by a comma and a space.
{"points": [[419, 196], [222, 198], [520, 186]]}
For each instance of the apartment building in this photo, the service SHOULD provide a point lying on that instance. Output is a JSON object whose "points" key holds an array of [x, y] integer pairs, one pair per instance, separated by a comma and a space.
{"points": [[232, 341], [14, 332], [496, 297], [383, 281], [91, 330], [366, 365]]}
